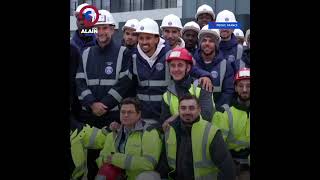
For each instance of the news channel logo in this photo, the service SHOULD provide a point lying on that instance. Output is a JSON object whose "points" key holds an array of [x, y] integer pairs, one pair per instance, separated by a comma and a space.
{"points": [[90, 16]]}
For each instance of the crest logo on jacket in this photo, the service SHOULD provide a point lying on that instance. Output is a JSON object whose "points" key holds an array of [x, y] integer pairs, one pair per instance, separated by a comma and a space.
{"points": [[159, 66], [108, 70], [214, 74], [231, 58]]}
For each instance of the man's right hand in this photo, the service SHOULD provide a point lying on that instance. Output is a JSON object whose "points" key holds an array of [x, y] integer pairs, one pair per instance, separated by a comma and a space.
{"points": [[166, 125], [99, 108], [114, 126]]}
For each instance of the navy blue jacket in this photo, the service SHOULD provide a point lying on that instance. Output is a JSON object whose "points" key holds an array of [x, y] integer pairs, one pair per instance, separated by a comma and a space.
{"points": [[101, 71], [244, 61], [229, 48], [227, 86], [82, 42]]}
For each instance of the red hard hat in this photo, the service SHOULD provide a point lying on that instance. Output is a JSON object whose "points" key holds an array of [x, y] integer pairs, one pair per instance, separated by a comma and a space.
{"points": [[180, 54], [109, 171], [243, 73]]}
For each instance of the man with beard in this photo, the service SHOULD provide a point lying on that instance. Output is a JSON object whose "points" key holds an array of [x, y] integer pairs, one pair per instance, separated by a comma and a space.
{"points": [[229, 43], [195, 148], [234, 123], [204, 15], [82, 41], [130, 37], [101, 67], [208, 57], [190, 36], [171, 27]]}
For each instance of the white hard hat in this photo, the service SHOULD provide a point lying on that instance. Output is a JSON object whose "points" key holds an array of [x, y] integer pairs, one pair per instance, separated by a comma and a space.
{"points": [[205, 9], [191, 26], [205, 30], [131, 23], [226, 16], [171, 20], [148, 25], [105, 17], [238, 33]]}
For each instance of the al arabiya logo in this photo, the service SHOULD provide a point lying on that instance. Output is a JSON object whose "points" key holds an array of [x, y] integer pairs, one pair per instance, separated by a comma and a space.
{"points": [[89, 15]]}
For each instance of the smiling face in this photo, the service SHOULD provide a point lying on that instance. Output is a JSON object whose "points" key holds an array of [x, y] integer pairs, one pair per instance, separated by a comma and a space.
{"points": [[105, 33], [148, 43], [207, 45], [178, 69], [189, 110]]}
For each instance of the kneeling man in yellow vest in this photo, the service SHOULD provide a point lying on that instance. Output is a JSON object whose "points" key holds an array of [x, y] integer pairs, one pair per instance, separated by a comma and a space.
{"points": [[135, 147]]}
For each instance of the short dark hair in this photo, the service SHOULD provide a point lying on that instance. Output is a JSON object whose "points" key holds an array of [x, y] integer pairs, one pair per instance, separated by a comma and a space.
{"points": [[133, 101], [188, 97]]}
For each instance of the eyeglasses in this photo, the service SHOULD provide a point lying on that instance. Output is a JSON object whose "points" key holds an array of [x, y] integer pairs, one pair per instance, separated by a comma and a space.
{"points": [[127, 112]]}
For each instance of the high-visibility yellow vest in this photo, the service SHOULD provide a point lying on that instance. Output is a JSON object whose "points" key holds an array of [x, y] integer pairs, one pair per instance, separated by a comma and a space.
{"points": [[142, 152], [235, 127], [202, 134], [87, 138]]}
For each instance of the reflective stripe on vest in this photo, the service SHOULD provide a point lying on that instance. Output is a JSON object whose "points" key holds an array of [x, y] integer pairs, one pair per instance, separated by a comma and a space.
{"points": [[146, 97], [239, 51], [175, 105], [152, 82], [84, 94], [102, 82], [115, 95], [151, 160], [127, 161], [201, 166], [223, 68], [205, 162], [171, 160], [242, 64], [150, 121], [230, 137], [93, 137]]}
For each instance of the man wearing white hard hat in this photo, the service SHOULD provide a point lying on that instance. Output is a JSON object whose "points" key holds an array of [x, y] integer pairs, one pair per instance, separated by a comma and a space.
{"points": [[79, 40], [101, 67], [239, 35], [190, 36], [204, 15], [170, 29], [130, 37], [210, 58], [229, 44]]}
